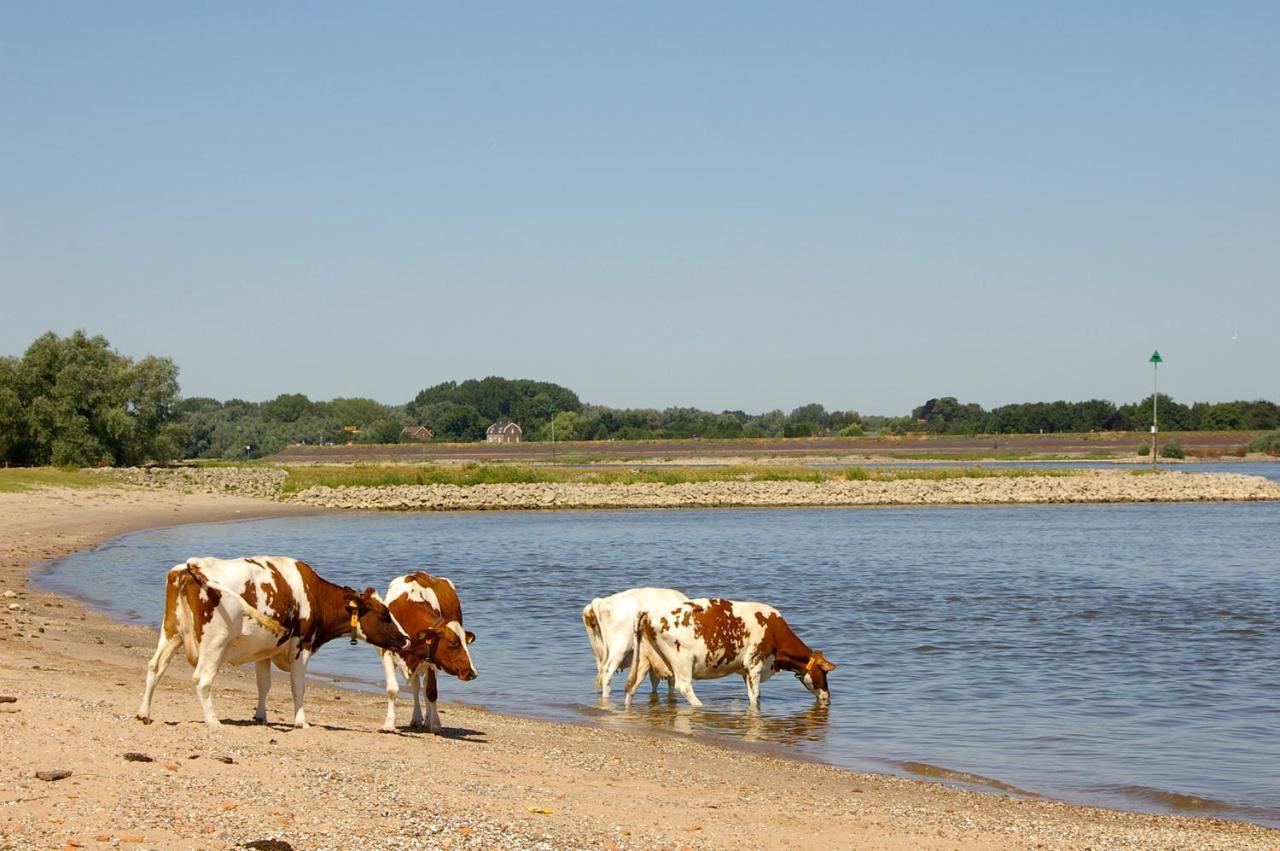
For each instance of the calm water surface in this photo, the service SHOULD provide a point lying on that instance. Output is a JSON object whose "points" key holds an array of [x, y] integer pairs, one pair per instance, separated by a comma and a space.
{"points": [[1116, 655]]}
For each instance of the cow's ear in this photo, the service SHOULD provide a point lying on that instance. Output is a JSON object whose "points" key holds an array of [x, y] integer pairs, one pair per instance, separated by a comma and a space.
{"points": [[354, 601], [825, 664], [471, 636], [423, 635]]}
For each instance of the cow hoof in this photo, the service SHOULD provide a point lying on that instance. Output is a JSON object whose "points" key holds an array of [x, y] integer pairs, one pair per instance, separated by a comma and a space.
{"points": [[385, 729], [143, 718]]}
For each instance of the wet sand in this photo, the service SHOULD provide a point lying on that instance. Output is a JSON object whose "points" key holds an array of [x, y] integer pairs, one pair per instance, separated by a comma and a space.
{"points": [[77, 676]]}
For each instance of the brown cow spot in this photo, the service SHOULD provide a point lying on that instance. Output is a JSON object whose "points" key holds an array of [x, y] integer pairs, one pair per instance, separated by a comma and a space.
{"points": [[723, 632], [281, 603], [202, 603], [590, 620], [250, 593], [171, 605]]}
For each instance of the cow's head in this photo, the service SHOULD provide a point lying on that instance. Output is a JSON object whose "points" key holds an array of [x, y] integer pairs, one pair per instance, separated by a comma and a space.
{"points": [[373, 620], [814, 675], [447, 648]]}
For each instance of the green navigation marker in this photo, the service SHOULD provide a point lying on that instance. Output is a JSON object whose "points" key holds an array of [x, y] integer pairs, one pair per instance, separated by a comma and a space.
{"points": [[1155, 357]]}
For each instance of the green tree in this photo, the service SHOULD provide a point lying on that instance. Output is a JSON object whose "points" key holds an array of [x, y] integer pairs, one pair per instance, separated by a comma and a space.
{"points": [[74, 401], [569, 426], [357, 412], [453, 422]]}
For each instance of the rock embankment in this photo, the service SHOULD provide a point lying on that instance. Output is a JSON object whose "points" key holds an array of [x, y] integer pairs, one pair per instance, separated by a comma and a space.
{"points": [[1087, 486], [262, 482]]}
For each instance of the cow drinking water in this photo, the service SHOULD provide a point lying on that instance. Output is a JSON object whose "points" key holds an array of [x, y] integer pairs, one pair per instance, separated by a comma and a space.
{"points": [[706, 639], [260, 609]]}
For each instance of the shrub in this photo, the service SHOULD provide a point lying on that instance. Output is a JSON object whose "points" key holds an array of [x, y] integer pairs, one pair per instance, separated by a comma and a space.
{"points": [[1172, 449], [1268, 443], [851, 430], [1144, 450]]}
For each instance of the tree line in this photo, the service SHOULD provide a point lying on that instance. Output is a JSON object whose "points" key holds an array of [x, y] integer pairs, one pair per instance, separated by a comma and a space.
{"points": [[949, 416], [74, 401]]}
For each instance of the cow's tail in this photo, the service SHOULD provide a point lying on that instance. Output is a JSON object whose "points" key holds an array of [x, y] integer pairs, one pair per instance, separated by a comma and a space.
{"points": [[644, 655], [591, 623], [268, 623]]}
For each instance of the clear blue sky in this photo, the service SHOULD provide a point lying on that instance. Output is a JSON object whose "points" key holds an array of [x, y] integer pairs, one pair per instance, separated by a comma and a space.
{"points": [[740, 206]]}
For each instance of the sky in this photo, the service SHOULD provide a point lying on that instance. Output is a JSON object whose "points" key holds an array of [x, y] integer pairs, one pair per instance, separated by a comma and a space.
{"points": [[740, 206]]}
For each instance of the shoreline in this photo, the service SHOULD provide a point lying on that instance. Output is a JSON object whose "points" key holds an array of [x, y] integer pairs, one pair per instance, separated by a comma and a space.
{"points": [[604, 789]]}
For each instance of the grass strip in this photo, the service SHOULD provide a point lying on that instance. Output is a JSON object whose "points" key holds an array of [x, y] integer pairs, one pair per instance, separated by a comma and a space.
{"points": [[385, 475]]}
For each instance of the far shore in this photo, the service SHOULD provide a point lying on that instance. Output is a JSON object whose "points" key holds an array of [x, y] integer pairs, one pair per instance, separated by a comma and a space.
{"points": [[492, 781], [849, 487]]}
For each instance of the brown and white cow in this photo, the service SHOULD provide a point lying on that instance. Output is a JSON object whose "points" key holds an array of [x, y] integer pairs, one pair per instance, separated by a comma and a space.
{"points": [[429, 609], [706, 639], [259, 609]]}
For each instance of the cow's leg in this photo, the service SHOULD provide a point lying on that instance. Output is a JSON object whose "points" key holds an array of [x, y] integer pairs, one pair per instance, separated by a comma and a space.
{"points": [[213, 649], [615, 658], [433, 716], [415, 682], [685, 687], [682, 671], [752, 679], [298, 679], [155, 670], [393, 689], [264, 686], [639, 667]]}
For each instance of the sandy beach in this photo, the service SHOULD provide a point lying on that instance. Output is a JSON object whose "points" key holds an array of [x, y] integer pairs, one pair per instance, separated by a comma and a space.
{"points": [[492, 781]]}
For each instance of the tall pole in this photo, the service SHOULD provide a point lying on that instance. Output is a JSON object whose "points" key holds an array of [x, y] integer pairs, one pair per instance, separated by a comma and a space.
{"points": [[553, 434], [1155, 403], [1156, 360]]}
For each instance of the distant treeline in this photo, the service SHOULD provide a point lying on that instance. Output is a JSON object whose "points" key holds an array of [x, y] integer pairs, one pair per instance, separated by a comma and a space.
{"points": [[75, 401], [949, 416]]}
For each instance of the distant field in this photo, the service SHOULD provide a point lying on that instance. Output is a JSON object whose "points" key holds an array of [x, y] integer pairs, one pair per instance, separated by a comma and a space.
{"points": [[910, 448]]}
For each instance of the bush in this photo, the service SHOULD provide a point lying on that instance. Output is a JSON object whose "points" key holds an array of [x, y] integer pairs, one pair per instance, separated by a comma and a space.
{"points": [[1172, 449], [1144, 450], [1268, 443], [851, 430]]}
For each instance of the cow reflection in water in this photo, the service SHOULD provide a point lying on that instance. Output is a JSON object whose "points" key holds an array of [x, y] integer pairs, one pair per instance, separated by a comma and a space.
{"points": [[803, 725]]}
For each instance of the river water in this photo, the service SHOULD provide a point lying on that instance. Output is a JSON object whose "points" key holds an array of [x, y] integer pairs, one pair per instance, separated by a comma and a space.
{"points": [[1120, 655]]}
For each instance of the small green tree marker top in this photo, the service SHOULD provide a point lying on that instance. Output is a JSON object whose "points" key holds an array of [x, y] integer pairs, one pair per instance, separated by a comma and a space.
{"points": [[1155, 357]]}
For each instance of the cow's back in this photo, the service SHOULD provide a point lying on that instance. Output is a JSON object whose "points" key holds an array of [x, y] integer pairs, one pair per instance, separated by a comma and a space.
{"points": [[436, 591], [720, 635], [619, 611]]}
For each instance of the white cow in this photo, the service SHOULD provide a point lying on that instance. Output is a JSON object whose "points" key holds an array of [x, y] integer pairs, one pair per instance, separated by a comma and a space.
{"points": [[610, 623], [260, 609]]}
